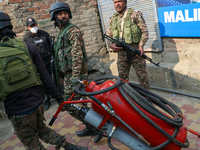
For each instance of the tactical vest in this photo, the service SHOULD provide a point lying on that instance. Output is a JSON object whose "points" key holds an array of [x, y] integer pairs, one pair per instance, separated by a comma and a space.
{"points": [[17, 70], [41, 44], [131, 32], [62, 47]]}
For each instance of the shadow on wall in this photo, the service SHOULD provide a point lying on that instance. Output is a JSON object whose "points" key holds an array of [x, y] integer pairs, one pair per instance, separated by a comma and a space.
{"points": [[169, 57], [169, 52], [169, 79]]}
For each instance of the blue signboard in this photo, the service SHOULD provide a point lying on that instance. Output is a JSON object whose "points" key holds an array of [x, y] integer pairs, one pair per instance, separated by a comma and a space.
{"points": [[179, 18]]}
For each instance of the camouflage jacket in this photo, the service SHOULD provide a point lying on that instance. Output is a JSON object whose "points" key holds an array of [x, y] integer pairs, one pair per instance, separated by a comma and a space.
{"points": [[69, 46], [137, 18]]}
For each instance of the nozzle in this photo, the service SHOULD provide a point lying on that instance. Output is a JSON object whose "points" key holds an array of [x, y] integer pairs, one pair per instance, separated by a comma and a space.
{"points": [[143, 139], [80, 81], [113, 130], [83, 82]]}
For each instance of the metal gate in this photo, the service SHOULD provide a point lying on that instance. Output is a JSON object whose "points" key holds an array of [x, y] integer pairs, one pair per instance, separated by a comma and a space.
{"points": [[149, 10]]}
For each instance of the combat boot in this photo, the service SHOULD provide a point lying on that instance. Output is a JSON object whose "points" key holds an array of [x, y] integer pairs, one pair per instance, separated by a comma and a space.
{"points": [[89, 132], [74, 147], [85, 132], [98, 137]]}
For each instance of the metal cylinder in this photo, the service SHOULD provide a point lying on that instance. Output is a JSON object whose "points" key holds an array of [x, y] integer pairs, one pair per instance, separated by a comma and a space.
{"points": [[121, 135]]}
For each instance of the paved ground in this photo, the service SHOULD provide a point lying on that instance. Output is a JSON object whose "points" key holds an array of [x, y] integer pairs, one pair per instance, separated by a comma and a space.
{"points": [[67, 125]]}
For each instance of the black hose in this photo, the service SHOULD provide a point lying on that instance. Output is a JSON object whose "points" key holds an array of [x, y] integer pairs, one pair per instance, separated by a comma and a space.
{"points": [[109, 143], [163, 103], [155, 95], [78, 91], [118, 118], [166, 142], [152, 99], [96, 100], [130, 101], [141, 101]]}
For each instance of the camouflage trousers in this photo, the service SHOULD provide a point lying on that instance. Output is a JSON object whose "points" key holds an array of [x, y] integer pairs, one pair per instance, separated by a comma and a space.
{"points": [[31, 128], [139, 65], [68, 91]]}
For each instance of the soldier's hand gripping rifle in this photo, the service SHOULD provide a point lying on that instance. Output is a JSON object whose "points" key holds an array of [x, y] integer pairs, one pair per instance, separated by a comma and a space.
{"points": [[53, 63], [127, 47]]}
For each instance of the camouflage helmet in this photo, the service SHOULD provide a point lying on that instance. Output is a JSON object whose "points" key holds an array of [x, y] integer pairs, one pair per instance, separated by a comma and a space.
{"points": [[59, 6], [5, 21]]}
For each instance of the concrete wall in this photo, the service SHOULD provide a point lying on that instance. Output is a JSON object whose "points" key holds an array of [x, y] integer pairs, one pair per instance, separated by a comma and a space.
{"points": [[179, 66]]}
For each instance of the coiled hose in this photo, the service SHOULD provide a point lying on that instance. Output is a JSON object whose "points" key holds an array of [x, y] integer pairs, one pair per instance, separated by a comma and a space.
{"points": [[125, 89], [137, 94]]}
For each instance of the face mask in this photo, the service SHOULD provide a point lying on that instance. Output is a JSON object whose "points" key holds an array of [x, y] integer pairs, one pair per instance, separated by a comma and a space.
{"points": [[34, 29]]}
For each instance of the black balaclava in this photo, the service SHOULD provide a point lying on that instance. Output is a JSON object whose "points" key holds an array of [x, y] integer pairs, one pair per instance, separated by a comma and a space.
{"points": [[7, 32]]}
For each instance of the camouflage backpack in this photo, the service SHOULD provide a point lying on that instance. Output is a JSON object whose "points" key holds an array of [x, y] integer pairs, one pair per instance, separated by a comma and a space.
{"points": [[17, 71]]}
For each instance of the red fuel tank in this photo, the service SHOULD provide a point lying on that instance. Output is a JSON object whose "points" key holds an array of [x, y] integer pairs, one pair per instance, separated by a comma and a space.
{"points": [[134, 119]]}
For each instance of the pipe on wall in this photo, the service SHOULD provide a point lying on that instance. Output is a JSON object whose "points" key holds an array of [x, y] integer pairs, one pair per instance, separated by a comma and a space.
{"points": [[176, 92]]}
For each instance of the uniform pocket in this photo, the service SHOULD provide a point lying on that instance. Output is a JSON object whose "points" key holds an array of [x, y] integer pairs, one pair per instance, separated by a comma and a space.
{"points": [[127, 31], [136, 33], [115, 34], [127, 35]]}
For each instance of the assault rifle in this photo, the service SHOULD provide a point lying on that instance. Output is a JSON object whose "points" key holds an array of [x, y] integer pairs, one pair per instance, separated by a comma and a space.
{"points": [[53, 63], [127, 47]]}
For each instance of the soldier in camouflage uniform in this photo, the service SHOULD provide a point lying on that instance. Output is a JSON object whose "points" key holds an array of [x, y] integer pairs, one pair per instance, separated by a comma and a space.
{"points": [[71, 56], [25, 107], [129, 25]]}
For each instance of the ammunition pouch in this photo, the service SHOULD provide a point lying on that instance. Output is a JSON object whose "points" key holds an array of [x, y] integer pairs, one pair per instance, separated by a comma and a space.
{"points": [[131, 32]]}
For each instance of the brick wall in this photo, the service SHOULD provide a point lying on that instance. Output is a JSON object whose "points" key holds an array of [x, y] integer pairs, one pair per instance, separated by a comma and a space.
{"points": [[179, 59], [85, 16]]}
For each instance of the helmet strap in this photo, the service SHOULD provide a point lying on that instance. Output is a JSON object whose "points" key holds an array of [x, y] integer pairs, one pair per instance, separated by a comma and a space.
{"points": [[55, 24]]}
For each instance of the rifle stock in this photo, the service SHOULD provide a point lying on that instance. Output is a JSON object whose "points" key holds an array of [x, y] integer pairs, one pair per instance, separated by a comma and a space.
{"points": [[53, 64], [127, 47]]}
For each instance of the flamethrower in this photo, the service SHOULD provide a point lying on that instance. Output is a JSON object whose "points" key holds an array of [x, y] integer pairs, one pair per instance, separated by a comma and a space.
{"points": [[136, 117]]}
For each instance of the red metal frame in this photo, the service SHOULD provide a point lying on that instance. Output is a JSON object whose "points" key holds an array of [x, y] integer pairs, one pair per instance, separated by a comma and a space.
{"points": [[130, 116], [76, 102]]}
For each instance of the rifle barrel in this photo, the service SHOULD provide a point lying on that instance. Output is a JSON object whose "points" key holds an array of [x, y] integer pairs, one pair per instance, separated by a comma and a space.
{"points": [[130, 48]]}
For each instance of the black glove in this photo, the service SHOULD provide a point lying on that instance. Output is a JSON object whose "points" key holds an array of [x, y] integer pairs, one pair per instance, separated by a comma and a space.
{"points": [[60, 102], [64, 106]]}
